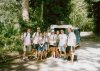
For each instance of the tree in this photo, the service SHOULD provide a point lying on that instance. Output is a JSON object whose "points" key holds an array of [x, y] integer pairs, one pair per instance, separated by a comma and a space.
{"points": [[25, 10], [94, 12], [79, 15]]}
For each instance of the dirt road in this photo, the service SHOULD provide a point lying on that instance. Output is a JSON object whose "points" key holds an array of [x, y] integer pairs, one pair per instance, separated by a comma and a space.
{"points": [[88, 60]]}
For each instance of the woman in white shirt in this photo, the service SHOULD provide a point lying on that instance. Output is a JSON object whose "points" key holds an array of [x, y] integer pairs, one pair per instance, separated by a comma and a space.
{"points": [[57, 43], [62, 43], [71, 43], [27, 43], [41, 46], [52, 42], [46, 47]]}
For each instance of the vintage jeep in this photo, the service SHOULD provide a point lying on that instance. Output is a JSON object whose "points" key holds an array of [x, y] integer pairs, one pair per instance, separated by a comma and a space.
{"points": [[64, 27]]}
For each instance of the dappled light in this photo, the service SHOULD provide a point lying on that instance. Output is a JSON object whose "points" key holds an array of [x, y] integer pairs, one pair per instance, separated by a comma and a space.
{"points": [[88, 60]]}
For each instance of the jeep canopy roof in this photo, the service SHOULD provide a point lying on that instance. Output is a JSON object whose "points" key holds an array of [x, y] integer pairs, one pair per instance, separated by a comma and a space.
{"points": [[52, 27]]}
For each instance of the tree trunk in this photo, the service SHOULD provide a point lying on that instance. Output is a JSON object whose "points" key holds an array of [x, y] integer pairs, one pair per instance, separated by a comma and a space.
{"points": [[42, 4], [97, 17], [25, 11]]}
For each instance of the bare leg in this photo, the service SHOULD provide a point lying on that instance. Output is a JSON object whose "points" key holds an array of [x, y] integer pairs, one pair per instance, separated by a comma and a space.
{"points": [[45, 53], [24, 54], [57, 53], [38, 55], [60, 51], [72, 56], [41, 54], [54, 52], [65, 54]]}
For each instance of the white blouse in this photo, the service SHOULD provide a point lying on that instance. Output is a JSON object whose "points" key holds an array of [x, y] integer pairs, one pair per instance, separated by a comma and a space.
{"points": [[63, 39], [35, 38], [52, 39], [27, 39]]}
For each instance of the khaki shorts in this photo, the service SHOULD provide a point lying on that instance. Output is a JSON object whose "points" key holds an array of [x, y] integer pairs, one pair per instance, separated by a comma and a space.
{"points": [[27, 48]]}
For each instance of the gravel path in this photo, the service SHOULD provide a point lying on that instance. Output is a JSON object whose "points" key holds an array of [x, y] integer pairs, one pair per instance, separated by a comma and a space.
{"points": [[88, 60]]}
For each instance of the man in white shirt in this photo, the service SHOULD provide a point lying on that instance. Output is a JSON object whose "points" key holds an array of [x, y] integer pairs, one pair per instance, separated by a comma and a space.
{"points": [[62, 43], [35, 38], [71, 43]]}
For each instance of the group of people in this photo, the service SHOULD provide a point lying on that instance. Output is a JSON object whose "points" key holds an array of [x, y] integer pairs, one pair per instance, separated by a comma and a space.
{"points": [[53, 42]]}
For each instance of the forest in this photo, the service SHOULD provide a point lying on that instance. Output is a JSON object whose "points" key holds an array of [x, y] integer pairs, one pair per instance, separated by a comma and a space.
{"points": [[17, 15]]}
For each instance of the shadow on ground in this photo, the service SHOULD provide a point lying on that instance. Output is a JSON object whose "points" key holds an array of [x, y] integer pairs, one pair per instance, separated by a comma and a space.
{"points": [[88, 60]]}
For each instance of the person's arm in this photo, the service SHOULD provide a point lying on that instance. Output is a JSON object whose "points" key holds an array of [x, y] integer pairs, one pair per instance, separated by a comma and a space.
{"points": [[33, 36], [43, 42], [49, 39], [39, 42], [74, 38], [24, 36], [66, 40]]}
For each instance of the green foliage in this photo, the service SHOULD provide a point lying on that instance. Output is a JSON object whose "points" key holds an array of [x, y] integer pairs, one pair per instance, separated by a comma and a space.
{"points": [[53, 11], [73, 12], [95, 0], [10, 44], [94, 11], [79, 15], [9, 26], [9, 14]]}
